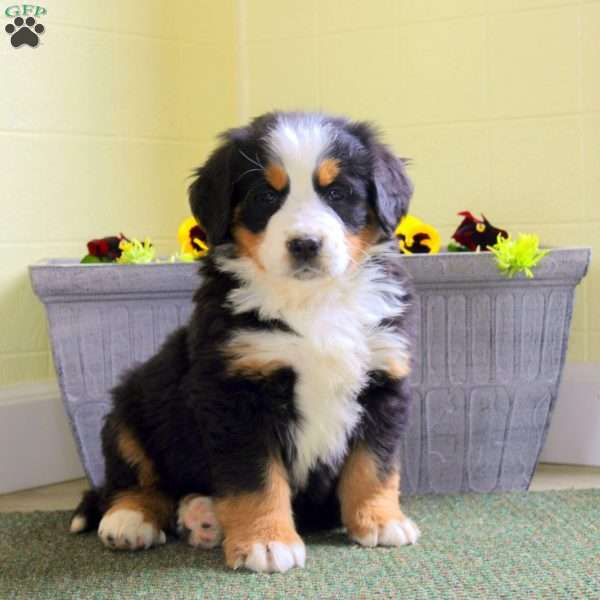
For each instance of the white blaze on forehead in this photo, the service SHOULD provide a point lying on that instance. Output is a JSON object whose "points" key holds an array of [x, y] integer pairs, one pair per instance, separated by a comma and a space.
{"points": [[299, 144]]}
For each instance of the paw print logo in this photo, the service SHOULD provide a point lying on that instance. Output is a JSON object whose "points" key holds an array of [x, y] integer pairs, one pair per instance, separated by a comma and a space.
{"points": [[24, 32]]}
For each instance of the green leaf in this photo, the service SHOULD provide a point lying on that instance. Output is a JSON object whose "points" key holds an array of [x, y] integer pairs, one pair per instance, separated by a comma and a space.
{"points": [[89, 259], [454, 247]]}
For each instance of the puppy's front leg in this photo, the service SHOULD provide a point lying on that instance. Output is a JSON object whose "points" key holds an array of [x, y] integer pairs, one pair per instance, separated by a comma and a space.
{"points": [[259, 526], [370, 505], [369, 485]]}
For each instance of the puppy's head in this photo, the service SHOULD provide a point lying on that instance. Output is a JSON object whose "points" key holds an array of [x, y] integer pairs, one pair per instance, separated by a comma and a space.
{"points": [[303, 195]]}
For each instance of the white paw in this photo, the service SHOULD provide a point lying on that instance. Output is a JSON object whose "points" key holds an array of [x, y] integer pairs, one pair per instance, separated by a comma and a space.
{"points": [[393, 533], [196, 516], [125, 529], [273, 557]]}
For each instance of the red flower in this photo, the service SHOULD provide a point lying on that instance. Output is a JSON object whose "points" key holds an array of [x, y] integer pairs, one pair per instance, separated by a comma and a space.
{"points": [[107, 248]]}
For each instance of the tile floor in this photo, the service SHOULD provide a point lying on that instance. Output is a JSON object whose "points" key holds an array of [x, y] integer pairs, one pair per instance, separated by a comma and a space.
{"points": [[64, 496]]}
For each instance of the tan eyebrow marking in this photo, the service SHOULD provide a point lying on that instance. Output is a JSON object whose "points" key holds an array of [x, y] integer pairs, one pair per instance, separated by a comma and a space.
{"points": [[327, 171], [276, 176]]}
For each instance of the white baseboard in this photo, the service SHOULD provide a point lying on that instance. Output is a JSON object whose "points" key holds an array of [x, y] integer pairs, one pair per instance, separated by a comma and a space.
{"points": [[574, 436], [36, 445]]}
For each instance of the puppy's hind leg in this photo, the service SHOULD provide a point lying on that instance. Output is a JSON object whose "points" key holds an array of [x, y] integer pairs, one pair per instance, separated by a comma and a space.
{"points": [[130, 511]]}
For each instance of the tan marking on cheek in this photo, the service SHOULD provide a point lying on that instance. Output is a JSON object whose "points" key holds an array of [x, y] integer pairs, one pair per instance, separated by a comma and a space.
{"points": [[154, 505], [257, 517], [276, 176], [248, 243], [367, 500], [132, 452], [327, 171], [359, 243]]}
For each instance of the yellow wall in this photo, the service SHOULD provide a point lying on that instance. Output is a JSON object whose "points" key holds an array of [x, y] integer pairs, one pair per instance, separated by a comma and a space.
{"points": [[99, 129], [497, 102]]}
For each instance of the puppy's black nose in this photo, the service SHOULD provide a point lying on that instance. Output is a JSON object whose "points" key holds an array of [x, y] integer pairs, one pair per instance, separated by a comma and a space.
{"points": [[304, 248]]}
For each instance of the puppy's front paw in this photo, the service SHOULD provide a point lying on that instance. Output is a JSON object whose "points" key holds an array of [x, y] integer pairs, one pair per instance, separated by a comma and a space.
{"points": [[392, 533], [271, 557], [196, 519], [125, 529], [269, 552]]}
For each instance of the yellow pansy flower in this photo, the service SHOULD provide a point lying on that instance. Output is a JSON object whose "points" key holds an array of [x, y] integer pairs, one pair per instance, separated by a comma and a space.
{"points": [[416, 237], [192, 238]]}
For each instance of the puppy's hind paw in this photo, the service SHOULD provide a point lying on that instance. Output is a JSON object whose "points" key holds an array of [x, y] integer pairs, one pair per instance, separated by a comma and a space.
{"points": [[197, 522]]}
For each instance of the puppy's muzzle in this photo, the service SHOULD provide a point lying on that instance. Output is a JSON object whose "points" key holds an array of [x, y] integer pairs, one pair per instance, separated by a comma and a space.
{"points": [[304, 250]]}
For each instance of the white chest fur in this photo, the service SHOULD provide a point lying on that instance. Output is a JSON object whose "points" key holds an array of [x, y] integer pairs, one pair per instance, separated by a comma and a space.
{"points": [[331, 365], [337, 340]]}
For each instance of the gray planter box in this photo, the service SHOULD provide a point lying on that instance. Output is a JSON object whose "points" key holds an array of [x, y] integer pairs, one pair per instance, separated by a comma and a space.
{"points": [[489, 356]]}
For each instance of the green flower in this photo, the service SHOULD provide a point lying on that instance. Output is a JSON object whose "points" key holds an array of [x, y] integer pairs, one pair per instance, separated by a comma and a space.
{"points": [[135, 252], [520, 255]]}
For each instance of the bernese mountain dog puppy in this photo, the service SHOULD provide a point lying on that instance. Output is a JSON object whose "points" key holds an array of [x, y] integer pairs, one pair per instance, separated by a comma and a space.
{"points": [[279, 407]]}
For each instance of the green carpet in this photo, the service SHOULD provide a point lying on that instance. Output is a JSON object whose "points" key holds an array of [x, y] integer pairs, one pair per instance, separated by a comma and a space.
{"points": [[536, 545]]}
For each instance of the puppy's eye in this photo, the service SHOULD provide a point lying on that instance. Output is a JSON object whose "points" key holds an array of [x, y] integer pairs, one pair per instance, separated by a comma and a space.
{"points": [[269, 197], [335, 194]]}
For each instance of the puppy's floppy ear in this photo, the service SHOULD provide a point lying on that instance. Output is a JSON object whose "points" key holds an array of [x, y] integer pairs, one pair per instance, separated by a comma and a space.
{"points": [[391, 189], [211, 192]]}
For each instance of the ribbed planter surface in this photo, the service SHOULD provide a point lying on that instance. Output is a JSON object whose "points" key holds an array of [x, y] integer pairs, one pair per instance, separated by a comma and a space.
{"points": [[489, 356]]}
